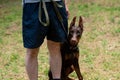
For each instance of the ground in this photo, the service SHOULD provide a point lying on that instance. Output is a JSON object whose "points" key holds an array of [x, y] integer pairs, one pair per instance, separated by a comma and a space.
{"points": [[99, 45]]}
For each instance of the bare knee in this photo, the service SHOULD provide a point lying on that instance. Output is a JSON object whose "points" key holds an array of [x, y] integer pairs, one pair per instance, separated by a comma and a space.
{"points": [[54, 47], [32, 53]]}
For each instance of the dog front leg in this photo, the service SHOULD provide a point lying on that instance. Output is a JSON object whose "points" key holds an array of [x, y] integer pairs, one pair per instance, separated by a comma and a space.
{"points": [[77, 69], [50, 75]]}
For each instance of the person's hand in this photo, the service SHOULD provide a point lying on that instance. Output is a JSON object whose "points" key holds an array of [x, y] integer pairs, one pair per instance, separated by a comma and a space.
{"points": [[67, 10]]}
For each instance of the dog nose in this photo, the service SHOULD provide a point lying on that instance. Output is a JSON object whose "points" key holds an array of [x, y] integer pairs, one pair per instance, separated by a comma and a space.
{"points": [[73, 41]]}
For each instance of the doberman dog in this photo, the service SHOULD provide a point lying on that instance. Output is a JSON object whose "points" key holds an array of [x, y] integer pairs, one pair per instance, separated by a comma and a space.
{"points": [[70, 51]]}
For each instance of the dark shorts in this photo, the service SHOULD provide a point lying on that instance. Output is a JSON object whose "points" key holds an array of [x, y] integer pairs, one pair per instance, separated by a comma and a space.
{"points": [[34, 32]]}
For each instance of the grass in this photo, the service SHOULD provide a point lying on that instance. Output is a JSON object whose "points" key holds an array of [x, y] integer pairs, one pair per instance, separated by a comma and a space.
{"points": [[99, 46]]}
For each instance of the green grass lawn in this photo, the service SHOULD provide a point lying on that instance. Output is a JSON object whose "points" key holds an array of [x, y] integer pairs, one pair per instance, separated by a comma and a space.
{"points": [[99, 46]]}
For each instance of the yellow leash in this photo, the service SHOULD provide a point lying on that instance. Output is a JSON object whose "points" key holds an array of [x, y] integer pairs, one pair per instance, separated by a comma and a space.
{"points": [[43, 5], [42, 2]]}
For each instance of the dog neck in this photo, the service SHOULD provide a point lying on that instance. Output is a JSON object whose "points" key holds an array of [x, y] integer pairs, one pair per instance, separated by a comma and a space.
{"points": [[73, 48]]}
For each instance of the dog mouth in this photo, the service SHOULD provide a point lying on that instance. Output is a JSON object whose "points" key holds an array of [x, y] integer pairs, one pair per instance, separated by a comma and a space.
{"points": [[73, 43]]}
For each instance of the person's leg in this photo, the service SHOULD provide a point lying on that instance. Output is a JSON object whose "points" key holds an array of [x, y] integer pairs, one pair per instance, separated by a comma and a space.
{"points": [[32, 63], [55, 59]]}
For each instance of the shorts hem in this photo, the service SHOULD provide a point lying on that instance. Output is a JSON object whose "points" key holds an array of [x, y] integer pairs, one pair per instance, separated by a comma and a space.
{"points": [[31, 47], [60, 41]]}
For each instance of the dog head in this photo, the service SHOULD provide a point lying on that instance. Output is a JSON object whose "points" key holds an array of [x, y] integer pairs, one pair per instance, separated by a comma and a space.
{"points": [[75, 32]]}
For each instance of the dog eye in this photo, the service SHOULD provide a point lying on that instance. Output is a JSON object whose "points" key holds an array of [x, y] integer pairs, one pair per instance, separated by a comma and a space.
{"points": [[71, 32], [78, 32]]}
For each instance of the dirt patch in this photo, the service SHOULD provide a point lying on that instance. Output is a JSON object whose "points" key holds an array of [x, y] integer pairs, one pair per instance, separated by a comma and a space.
{"points": [[12, 28]]}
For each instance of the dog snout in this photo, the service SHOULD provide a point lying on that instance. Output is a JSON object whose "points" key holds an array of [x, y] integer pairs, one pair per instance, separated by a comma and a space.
{"points": [[73, 41]]}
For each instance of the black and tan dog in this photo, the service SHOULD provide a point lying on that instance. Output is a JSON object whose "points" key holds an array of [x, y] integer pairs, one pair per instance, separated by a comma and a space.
{"points": [[70, 51]]}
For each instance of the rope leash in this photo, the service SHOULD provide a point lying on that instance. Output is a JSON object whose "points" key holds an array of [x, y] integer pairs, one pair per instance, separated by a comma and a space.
{"points": [[43, 5], [42, 2], [55, 5], [59, 16]]}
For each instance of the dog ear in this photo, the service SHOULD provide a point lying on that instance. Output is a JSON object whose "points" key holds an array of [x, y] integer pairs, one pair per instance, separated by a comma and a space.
{"points": [[80, 22], [73, 22]]}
